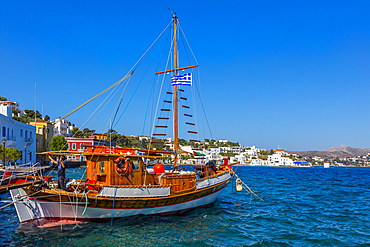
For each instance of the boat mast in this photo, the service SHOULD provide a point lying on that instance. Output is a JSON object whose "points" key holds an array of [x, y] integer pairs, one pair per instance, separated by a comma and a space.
{"points": [[175, 93], [175, 100]]}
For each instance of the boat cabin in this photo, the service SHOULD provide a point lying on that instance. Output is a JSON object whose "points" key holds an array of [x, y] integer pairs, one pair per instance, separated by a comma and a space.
{"points": [[124, 168]]}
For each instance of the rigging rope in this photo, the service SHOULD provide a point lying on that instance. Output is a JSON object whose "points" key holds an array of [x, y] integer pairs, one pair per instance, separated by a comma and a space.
{"points": [[158, 100]]}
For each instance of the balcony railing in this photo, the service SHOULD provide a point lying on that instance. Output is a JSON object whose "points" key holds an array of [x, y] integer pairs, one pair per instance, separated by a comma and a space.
{"points": [[30, 140]]}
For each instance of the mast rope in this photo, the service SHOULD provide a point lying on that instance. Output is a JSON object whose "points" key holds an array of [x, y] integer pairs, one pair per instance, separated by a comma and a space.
{"points": [[154, 88], [198, 88], [119, 82], [117, 107], [187, 42], [155, 115], [133, 68]]}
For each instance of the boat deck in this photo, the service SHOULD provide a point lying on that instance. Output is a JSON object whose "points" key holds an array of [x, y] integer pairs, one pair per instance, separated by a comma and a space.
{"points": [[7, 187], [26, 169]]}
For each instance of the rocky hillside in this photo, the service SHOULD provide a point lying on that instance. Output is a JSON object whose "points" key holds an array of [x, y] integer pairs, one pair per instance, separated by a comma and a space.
{"points": [[335, 152]]}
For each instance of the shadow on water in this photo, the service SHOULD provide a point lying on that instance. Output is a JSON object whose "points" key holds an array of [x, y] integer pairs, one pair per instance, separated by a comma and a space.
{"points": [[188, 229]]}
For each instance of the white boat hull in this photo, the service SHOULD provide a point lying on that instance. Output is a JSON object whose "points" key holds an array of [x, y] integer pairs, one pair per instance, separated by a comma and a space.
{"points": [[31, 209]]}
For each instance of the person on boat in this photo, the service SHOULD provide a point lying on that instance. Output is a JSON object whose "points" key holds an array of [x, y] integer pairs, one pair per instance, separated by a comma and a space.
{"points": [[61, 170]]}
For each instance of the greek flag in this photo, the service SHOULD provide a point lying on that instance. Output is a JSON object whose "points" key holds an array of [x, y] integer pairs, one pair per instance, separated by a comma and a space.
{"points": [[185, 79]]}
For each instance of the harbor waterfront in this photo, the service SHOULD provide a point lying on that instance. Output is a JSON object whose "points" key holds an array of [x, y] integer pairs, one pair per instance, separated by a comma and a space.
{"points": [[301, 207]]}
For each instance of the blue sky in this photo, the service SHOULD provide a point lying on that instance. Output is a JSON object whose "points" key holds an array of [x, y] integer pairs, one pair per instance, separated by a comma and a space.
{"points": [[288, 74]]}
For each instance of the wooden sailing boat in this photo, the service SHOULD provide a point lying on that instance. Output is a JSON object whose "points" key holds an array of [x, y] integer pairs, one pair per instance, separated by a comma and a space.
{"points": [[123, 182]]}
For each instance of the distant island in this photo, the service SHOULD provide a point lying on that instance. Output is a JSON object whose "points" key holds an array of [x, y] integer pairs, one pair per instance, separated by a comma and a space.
{"points": [[341, 151]]}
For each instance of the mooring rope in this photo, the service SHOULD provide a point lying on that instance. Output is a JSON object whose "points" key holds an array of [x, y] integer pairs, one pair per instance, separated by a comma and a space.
{"points": [[86, 200], [21, 198], [114, 199], [60, 211], [247, 188]]}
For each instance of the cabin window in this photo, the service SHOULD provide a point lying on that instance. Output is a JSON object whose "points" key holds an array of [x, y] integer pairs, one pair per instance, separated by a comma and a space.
{"points": [[21, 133], [135, 164], [73, 146], [102, 167]]}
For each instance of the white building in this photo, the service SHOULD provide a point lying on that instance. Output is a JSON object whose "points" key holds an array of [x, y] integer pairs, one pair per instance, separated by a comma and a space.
{"points": [[213, 153], [240, 158], [279, 160], [280, 151], [251, 150], [258, 162], [187, 148], [17, 135], [11, 104], [62, 127]]}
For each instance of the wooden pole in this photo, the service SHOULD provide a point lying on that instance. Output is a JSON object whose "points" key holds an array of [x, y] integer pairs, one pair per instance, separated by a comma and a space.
{"points": [[175, 93]]}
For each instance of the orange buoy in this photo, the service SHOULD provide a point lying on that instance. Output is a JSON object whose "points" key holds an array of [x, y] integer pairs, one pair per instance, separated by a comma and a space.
{"points": [[158, 168]]}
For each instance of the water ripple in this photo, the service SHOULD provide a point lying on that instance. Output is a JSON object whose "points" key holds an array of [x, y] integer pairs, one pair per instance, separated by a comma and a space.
{"points": [[302, 207]]}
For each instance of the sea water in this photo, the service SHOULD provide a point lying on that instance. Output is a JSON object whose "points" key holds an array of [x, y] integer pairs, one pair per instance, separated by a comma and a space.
{"points": [[301, 207]]}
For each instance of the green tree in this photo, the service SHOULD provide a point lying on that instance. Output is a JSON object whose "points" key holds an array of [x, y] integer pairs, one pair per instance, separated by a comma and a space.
{"points": [[58, 143], [112, 131], [183, 142], [88, 132], [2, 153], [228, 154], [77, 133], [13, 154], [3, 98], [120, 140], [85, 133], [31, 114], [10, 154], [187, 156], [16, 112], [23, 119], [262, 157]]}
